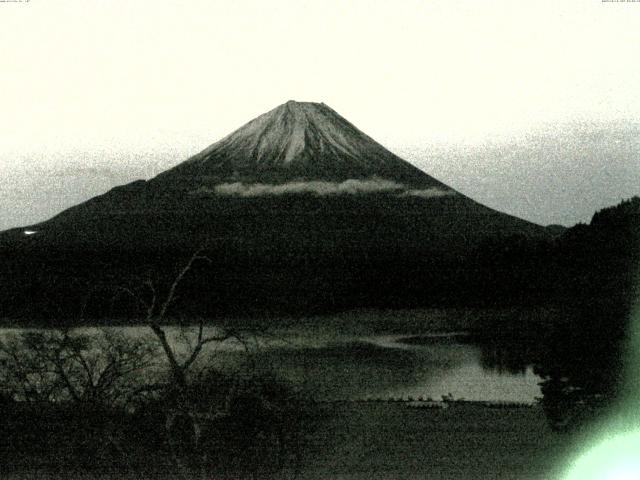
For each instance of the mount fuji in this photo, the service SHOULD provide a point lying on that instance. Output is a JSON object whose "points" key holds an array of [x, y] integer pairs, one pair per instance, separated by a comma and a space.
{"points": [[298, 209]]}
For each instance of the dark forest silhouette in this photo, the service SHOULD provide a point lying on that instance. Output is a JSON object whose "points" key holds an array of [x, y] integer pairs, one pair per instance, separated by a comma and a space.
{"points": [[590, 271]]}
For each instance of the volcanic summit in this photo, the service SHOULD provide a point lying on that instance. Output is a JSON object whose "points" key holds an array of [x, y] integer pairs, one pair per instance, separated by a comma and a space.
{"points": [[297, 141]]}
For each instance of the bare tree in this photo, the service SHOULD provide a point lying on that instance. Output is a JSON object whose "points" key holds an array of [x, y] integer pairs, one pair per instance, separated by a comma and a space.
{"points": [[186, 408], [100, 368], [156, 307], [182, 407]]}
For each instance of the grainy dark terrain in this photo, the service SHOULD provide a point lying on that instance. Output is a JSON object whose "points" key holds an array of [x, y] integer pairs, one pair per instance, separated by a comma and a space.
{"points": [[461, 442], [379, 440]]}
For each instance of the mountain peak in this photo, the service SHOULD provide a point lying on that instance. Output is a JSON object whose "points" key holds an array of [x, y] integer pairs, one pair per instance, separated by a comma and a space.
{"points": [[296, 103], [296, 141]]}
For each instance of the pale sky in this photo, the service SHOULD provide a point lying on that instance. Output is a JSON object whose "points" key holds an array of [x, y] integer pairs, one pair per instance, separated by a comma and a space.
{"points": [[506, 101]]}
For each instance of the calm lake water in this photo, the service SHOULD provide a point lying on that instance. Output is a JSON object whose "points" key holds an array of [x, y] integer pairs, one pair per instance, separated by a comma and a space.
{"points": [[384, 366], [332, 360]]}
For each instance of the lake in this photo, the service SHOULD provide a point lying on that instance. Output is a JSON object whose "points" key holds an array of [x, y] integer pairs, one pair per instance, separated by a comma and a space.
{"points": [[361, 355], [386, 367]]}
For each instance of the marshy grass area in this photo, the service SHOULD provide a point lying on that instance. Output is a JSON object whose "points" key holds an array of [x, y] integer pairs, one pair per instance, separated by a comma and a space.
{"points": [[465, 441], [352, 440]]}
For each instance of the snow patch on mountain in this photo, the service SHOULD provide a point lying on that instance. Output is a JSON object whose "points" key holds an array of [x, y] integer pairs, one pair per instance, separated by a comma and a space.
{"points": [[297, 141]]}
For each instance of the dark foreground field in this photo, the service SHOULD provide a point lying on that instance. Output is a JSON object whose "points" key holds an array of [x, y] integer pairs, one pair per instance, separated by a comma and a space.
{"points": [[387, 440], [390, 440]]}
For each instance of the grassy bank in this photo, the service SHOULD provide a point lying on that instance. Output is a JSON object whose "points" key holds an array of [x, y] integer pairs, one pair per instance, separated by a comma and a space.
{"points": [[390, 441]]}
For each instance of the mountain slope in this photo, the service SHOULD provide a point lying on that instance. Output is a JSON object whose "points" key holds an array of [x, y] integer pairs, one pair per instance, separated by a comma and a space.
{"points": [[297, 140]]}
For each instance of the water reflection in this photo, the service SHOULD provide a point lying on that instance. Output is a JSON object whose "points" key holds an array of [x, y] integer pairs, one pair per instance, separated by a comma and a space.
{"points": [[502, 359], [390, 367], [346, 366]]}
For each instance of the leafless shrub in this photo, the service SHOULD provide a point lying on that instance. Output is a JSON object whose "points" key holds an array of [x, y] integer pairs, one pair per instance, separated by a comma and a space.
{"points": [[100, 368]]}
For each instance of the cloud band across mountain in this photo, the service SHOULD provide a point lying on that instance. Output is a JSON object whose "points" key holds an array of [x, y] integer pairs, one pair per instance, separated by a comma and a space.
{"points": [[321, 188]]}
